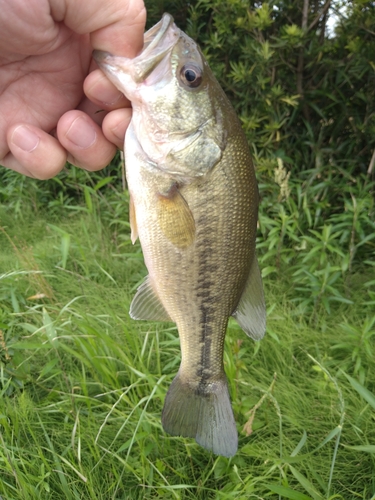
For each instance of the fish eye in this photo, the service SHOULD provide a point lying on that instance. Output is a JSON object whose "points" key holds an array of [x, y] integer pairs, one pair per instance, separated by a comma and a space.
{"points": [[191, 75]]}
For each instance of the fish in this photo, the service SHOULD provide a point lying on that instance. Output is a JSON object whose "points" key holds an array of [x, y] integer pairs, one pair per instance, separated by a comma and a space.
{"points": [[194, 207]]}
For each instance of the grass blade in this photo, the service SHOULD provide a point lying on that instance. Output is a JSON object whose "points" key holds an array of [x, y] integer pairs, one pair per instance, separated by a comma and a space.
{"points": [[287, 492], [306, 484], [362, 391], [367, 448]]}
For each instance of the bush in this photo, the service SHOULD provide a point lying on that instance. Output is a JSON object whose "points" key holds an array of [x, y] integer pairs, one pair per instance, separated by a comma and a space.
{"points": [[304, 95]]}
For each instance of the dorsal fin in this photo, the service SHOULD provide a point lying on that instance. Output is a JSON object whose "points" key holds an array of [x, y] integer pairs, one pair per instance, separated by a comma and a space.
{"points": [[251, 310]]}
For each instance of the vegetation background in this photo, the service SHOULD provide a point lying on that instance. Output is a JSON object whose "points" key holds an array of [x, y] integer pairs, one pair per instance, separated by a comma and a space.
{"points": [[82, 385]]}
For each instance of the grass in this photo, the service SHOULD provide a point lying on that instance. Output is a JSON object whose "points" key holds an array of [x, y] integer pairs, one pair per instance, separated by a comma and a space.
{"points": [[82, 385]]}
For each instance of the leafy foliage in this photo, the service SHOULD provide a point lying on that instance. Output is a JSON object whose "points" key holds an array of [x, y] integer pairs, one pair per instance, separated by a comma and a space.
{"points": [[304, 95]]}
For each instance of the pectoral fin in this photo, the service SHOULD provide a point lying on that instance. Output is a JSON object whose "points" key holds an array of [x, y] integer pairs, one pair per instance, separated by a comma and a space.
{"points": [[251, 310], [133, 221], [146, 304], [175, 218]]}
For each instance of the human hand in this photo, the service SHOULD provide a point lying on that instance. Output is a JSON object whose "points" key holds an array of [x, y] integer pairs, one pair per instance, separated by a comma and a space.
{"points": [[45, 57]]}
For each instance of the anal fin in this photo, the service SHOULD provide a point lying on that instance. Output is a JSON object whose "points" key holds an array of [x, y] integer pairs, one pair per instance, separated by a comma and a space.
{"points": [[146, 304], [251, 310]]}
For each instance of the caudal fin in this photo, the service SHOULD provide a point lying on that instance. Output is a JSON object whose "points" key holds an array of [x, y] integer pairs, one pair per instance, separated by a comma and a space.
{"points": [[203, 413]]}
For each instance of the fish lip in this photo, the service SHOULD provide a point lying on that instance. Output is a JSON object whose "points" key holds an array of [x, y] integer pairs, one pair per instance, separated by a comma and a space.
{"points": [[155, 35], [158, 42], [101, 57]]}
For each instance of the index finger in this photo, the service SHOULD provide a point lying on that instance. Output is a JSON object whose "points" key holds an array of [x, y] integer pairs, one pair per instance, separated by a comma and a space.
{"points": [[115, 26]]}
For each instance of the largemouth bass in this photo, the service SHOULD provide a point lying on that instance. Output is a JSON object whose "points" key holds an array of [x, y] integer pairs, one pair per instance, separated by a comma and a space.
{"points": [[193, 204]]}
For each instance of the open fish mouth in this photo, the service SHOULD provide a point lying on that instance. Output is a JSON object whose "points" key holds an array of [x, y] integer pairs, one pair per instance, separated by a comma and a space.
{"points": [[155, 35], [158, 42]]}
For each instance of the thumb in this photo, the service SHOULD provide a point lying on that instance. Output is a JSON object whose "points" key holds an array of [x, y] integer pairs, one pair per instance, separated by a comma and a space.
{"points": [[33, 152]]}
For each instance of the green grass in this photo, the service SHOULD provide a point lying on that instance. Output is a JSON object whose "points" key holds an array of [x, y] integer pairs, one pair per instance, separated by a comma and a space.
{"points": [[82, 385]]}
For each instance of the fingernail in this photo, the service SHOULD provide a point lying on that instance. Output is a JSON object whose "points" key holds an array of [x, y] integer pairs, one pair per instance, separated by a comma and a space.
{"points": [[81, 133], [107, 98], [107, 95], [25, 139], [118, 131]]}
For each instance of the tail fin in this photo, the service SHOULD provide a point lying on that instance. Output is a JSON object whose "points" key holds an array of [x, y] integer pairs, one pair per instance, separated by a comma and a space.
{"points": [[203, 413]]}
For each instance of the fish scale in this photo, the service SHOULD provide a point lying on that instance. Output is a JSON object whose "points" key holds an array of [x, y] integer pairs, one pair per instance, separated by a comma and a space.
{"points": [[194, 203], [217, 265]]}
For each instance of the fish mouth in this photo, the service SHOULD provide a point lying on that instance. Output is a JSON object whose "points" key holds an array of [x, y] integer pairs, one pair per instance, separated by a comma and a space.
{"points": [[158, 42]]}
